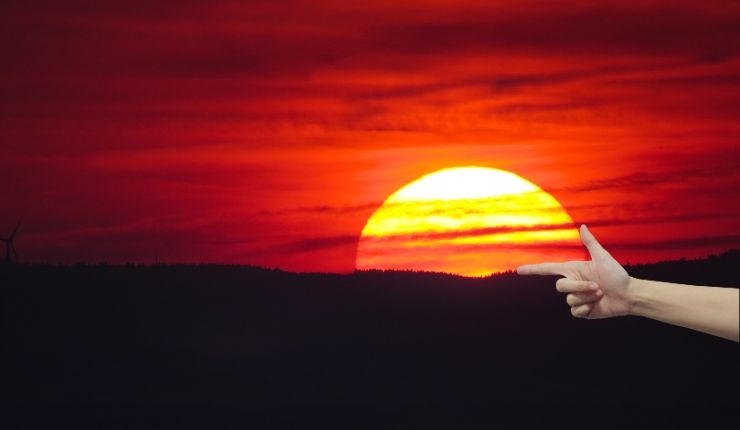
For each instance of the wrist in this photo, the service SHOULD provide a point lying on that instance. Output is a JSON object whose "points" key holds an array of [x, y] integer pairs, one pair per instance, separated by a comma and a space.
{"points": [[637, 298]]}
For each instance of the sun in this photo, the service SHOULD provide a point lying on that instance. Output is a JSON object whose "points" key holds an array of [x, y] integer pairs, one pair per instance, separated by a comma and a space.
{"points": [[471, 221]]}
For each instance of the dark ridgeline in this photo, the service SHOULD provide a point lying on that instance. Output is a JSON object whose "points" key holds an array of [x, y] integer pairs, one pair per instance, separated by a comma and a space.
{"points": [[118, 344]]}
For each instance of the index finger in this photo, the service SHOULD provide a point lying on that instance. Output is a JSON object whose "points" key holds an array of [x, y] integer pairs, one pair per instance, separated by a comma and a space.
{"points": [[542, 269]]}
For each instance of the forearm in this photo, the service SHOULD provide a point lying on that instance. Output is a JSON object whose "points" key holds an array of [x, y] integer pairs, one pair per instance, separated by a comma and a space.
{"points": [[712, 310]]}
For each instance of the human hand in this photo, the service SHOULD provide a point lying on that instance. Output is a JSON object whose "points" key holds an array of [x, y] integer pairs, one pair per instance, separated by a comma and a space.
{"points": [[598, 288]]}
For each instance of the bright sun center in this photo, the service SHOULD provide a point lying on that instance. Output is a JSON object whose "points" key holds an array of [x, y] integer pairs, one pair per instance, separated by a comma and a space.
{"points": [[470, 221]]}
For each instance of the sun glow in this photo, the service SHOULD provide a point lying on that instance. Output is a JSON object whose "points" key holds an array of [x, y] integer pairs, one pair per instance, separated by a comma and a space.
{"points": [[470, 221]]}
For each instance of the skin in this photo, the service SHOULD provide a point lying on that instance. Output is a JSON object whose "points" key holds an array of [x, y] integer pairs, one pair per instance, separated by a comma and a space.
{"points": [[602, 288]]}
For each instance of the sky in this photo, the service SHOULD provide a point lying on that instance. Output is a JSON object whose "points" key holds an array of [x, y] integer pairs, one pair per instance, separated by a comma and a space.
{"points": [[268, 132]]}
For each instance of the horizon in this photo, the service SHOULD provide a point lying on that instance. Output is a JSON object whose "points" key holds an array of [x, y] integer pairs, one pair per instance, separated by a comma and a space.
{"points": [[627, 265]]}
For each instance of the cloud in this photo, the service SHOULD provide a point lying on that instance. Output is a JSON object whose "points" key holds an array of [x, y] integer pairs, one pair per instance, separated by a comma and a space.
{"points": [[728, 241], [322, 243], [693, 243], [465, 233], [316, 244], [639, 180], [322, 210], [590, 28], [295, 38], [619, 103]]}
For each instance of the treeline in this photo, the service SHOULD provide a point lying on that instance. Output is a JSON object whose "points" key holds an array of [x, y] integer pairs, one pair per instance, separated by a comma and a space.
{"points": [[268, 343]]}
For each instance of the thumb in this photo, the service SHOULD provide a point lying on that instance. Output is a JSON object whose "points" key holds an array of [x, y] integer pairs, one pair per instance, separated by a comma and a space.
{"points": [[590, 242]]}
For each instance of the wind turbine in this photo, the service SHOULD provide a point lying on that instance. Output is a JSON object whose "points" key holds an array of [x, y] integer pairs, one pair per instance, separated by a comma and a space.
{"points": [[9, 244]]}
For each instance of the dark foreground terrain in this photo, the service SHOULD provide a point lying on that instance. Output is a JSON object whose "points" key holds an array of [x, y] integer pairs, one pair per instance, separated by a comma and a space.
{"points": [[226, 346]]}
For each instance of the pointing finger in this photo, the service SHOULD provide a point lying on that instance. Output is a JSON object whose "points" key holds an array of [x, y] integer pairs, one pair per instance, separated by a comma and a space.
{"points": [[590, 242], [542, 269], [566, 285]]}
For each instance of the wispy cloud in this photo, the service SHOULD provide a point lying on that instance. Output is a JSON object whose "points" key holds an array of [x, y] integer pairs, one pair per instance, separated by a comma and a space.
{"points": [[318, 244]]}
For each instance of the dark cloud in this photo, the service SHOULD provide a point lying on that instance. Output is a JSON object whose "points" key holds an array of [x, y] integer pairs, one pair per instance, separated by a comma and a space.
{"points": [[714, 79], [643, 179], [590, 28], [504, 82], [726, 242], [198, 39], [316, 244], [323, 210]]}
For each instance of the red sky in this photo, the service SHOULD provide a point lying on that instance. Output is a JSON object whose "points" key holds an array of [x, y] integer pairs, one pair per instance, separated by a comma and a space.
{"points": [[267, 132]]}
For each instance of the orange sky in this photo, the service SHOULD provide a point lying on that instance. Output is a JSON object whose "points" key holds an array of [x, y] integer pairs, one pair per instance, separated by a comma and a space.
{"points": [[268, 132]]}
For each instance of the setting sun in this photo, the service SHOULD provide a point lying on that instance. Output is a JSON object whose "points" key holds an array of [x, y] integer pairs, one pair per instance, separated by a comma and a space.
{"points": [[471, 221]]}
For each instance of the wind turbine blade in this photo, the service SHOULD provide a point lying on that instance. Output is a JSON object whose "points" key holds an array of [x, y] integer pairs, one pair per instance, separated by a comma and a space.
{"points": [[15, 230], [15, 253]]}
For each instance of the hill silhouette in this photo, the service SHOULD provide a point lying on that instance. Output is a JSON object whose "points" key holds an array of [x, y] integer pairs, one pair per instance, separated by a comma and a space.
{"points": [[114, 344]]}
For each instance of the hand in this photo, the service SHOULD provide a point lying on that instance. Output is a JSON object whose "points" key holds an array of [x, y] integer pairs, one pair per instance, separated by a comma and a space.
{"points": [[596, 289]]}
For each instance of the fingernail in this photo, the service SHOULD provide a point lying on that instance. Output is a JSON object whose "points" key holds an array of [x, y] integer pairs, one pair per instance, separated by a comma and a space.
{"points": [[593, 286]]}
